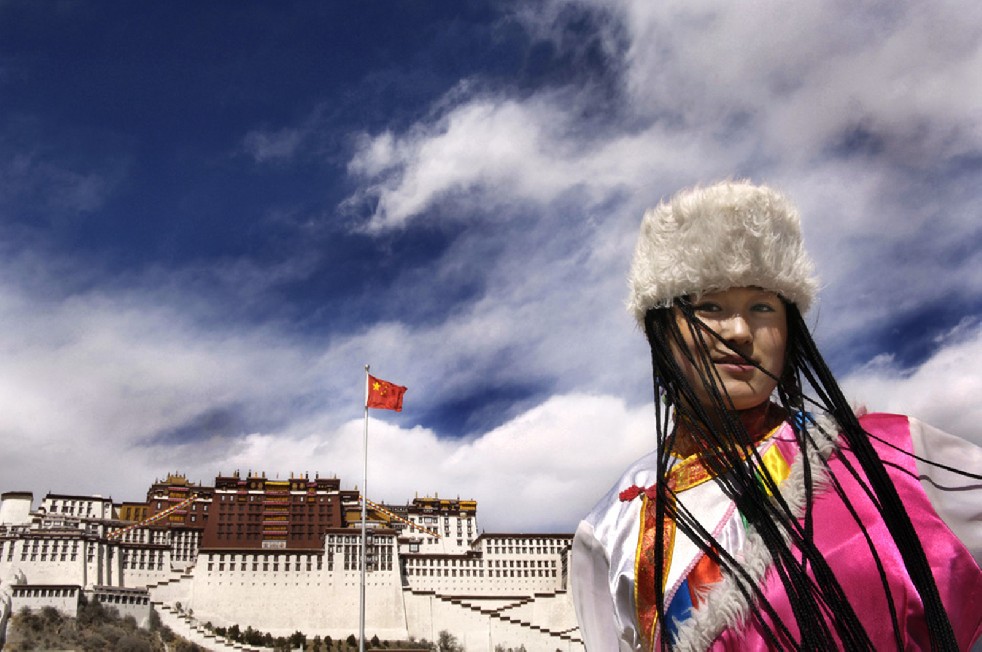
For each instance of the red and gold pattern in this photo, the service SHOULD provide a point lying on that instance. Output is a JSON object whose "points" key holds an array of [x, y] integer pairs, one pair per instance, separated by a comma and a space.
{"points": [[686, 474], [644, 567]]}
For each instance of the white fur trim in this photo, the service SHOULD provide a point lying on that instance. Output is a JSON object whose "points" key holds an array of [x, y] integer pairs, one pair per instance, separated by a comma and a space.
{"points": [[725, 606], [731, 234]]}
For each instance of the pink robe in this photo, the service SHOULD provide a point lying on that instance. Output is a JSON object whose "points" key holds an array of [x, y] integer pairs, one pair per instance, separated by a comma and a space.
{"points": [[838, 536], [605, 550]]}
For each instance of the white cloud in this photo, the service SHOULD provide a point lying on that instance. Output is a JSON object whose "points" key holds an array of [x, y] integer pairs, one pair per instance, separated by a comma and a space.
{"points": [[943, 391], [483, 143], [804, 75], [489, 152], [770, 90], [269, 145], [30, 177], [89, 379], [265, 146]]}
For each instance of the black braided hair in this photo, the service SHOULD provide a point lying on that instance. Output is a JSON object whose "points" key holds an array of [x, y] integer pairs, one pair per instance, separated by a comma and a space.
{"points": [[824, 616]]}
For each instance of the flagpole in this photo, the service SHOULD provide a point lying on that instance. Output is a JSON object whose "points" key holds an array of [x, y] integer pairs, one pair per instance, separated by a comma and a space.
{"points": [[364, 517]]}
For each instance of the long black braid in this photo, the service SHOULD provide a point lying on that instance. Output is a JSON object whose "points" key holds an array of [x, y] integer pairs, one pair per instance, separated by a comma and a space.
{"points": [[824, 616]]}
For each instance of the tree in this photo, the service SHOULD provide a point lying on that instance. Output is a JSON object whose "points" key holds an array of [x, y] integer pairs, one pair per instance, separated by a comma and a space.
{"points": [[93, 613], [251, 636], [167, 634], [447, 642], [375, 642], [98, 628], [297, 639], [132, 643], [50, 615]]}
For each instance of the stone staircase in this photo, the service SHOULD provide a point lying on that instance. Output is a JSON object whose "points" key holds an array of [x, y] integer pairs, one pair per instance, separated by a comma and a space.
{"points": [[164, 599], [187, 627], [571, 635], [174, 589]]}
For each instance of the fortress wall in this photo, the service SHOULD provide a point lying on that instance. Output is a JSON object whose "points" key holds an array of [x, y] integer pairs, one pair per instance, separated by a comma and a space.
{"points": [[127, 603], [554, 612], [483, 582], [141, 578], [475, 631], [45, 572], [521, 611], [324, 602]]}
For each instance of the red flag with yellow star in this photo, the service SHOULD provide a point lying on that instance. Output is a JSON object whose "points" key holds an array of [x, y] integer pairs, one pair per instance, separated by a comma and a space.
{"points": [[384, 395]]}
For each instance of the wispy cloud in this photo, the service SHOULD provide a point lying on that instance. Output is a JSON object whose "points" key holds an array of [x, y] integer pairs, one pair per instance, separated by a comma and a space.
{"points": [[941, 391], [265, 145], [52, 188]]}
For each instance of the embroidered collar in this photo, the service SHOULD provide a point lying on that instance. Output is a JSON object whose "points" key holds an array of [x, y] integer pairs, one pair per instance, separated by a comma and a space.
{"points": [[686, 474]]}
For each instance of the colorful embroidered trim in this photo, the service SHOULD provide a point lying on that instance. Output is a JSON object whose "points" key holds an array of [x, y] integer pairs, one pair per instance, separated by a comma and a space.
{"points": [[644, 569], [691, 472], [687, 474], [777, 467], [690, 593]]}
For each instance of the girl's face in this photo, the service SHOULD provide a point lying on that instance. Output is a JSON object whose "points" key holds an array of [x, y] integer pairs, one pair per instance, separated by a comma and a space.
{"points": [[752, 323]]}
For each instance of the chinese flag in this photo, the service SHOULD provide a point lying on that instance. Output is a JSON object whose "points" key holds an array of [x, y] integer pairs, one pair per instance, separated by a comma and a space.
{"points": [[384, 395]]}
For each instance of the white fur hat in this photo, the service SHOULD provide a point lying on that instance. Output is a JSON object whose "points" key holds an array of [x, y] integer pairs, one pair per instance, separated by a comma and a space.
{"points": [[731, 234]]}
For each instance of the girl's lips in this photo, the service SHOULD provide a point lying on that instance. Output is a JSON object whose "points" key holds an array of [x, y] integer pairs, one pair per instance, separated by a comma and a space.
{"points": [[732, 359], [734, 364]]}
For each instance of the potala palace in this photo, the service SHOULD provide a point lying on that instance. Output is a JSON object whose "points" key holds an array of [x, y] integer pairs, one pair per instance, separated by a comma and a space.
{"points": [[284, 555]]}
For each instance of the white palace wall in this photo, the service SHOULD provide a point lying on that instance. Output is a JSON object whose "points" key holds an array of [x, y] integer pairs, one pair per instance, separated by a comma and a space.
{"points": [[73, 558], [64, 599], [128, 602], [15, 508], [317, 593]]}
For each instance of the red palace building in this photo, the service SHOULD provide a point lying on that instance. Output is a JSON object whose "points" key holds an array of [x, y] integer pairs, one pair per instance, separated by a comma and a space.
{"points": [[252, 512]]}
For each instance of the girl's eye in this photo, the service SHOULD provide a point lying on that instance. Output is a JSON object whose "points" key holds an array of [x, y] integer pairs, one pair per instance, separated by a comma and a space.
{"points": [[706, 307], [763, 307]]}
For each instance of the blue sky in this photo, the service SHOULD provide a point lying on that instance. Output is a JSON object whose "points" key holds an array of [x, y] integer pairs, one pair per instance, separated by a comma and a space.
{"points": [[212, 215]]}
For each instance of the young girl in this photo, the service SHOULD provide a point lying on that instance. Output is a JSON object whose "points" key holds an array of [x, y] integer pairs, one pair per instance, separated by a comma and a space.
{"points": [[770, 515]]}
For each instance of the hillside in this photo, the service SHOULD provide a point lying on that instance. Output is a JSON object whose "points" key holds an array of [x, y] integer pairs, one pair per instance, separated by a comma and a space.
{"points": [[100, 628], [96, 629]]}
